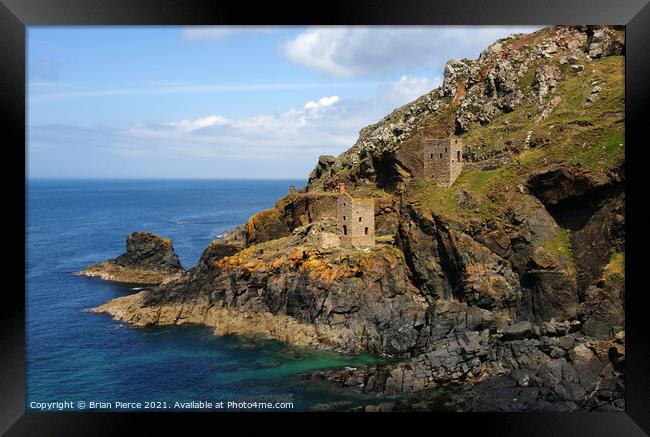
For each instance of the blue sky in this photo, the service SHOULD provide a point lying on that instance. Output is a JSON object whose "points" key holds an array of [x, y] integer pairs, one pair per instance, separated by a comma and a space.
{"points": [[222, 102]]}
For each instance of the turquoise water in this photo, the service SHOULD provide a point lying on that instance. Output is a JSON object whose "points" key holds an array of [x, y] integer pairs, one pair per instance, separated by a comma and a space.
{"points": [[76, 355]]}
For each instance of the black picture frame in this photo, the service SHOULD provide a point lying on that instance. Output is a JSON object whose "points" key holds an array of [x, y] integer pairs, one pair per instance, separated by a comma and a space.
{"points": [[16, 15]]}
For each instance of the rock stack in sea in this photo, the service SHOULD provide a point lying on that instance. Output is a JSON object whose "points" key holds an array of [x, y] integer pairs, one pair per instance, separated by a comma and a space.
{"points": [[149, 259]]}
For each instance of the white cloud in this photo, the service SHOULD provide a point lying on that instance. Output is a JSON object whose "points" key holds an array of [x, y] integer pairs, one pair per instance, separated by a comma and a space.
{"points": [[325, 101], [316, 124], [358, 50], [318, 49], [191, 125], [217, 33], [324, 125], [406, 89]]}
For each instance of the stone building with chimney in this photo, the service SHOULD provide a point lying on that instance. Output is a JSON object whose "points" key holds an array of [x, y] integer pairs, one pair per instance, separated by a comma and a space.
{"points": [[442, 160], [355, 219]]}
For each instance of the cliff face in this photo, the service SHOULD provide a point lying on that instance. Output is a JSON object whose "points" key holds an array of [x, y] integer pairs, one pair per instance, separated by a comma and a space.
{"points": [[511, 280]]}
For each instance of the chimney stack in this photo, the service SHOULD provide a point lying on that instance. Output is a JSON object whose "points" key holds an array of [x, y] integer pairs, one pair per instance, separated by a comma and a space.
{"points": [[341, 188]]}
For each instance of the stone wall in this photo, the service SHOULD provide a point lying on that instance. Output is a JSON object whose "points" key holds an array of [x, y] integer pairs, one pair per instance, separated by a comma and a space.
{"points": [[442, 160], [455, 159], [355, 221]]}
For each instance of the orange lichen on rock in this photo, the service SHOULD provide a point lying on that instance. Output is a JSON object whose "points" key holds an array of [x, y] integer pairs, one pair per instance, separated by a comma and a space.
{"points": [[320, 265], [461, 90]]}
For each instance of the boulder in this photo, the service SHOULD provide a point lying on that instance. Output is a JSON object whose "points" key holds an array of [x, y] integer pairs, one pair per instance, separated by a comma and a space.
{"points": [[581, 354], [545, 80], [455, 72], [518, 331], [323, 167], [605, 41]]}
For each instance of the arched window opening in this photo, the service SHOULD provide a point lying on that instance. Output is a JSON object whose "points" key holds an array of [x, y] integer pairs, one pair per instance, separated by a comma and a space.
{"points": [[345, 230]]}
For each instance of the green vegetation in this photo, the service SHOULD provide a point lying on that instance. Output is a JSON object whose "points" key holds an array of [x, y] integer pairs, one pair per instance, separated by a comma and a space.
{"points": [[615, 266], [590, 136], [526, 80], [574, 133], [433, 198], [561, 245], [495, 338], [346, 262], [607, 153], [389, 249], [528, 158], [485, 188], [387, 239], [479, 181]]}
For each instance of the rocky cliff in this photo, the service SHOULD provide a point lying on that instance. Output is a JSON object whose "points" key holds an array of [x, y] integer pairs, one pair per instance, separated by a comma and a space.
{"points": [[148, 259], [510, 282]]}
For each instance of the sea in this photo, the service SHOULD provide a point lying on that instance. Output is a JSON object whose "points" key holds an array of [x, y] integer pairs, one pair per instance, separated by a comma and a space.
{"points": [[81, 361]]}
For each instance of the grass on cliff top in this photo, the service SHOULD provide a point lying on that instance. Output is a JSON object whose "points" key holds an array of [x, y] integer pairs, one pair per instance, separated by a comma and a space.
{"points": [[528, 40], [588, 136], [592, 136], [481, 185]]}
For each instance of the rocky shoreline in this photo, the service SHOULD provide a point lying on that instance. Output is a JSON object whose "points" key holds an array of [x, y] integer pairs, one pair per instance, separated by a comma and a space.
{"points": [[558, 370], [508, 286]]}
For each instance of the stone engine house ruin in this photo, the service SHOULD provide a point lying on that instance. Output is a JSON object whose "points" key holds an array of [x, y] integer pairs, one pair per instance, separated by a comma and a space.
{"points": [[355, 219], [442, 160]]}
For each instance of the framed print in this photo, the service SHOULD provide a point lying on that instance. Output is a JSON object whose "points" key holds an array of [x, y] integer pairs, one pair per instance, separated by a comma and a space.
{"points": [[423, 211]]}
